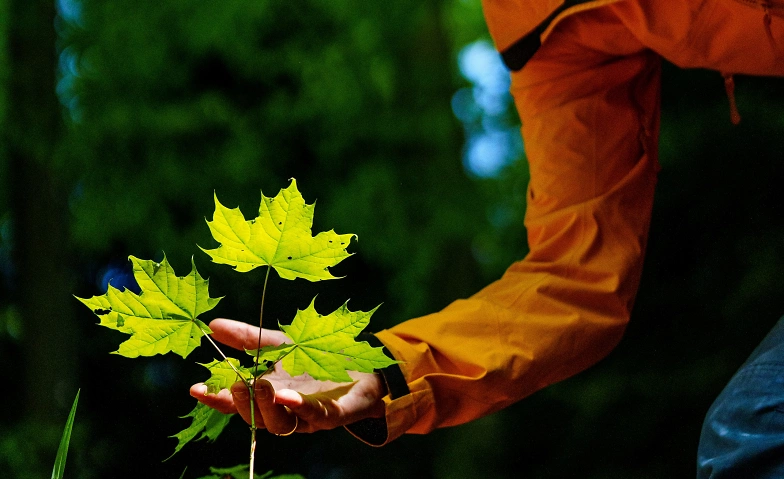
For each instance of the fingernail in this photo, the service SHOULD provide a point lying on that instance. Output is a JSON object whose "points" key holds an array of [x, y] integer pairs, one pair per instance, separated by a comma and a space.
{"points": [[239, 392], [263, 390], [198, 390]]}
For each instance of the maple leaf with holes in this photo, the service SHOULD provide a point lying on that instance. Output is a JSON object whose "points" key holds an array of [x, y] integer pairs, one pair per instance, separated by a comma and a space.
{"points": [[163, 317], [279, 237], [324, 346]]}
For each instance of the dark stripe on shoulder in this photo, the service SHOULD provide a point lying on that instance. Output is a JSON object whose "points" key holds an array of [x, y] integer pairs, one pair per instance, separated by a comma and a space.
{"points": [[517, 55]]}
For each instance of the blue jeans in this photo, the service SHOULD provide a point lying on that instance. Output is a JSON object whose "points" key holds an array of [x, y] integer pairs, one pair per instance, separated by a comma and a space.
{"points": [[743, 432]]}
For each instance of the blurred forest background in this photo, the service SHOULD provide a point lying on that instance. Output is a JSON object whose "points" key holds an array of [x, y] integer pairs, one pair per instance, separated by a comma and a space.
{"points": [[120, 118]]}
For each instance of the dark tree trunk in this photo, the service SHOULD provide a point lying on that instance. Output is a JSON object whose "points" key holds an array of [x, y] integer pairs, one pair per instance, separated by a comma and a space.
{"points": [[39, 211]]}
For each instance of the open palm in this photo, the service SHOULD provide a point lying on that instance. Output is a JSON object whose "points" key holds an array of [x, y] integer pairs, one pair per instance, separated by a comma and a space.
{"points": [[279, 396]]}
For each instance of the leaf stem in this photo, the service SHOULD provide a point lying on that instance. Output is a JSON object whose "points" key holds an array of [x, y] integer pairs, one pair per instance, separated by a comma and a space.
{"points": [[251, 390], [281, 357], [223, 355], [261, 317], [251, 383], [252, 432]]}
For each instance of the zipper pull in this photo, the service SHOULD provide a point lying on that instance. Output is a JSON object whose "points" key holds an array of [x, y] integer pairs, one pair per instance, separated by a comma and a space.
{"points": [[729, 86]]}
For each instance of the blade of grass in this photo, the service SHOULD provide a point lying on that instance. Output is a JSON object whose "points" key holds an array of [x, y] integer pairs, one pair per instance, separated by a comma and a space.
{"points": [[62, 451]]}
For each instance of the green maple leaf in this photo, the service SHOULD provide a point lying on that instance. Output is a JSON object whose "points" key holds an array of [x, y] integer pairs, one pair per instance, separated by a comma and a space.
{"points": [[207, 421], [163, 317], [222, 375], [242, 471], [325, 346], [279, 237]]}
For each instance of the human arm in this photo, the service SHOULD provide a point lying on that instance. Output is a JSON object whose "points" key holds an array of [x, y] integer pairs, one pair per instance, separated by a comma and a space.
{"points": [[590, 126]]}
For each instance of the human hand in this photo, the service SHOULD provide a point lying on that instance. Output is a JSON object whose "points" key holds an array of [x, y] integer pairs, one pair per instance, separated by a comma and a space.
{"points": [[279, 397]]}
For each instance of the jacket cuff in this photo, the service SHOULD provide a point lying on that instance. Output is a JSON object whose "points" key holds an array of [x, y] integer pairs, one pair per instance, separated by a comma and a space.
{"points": [[399, 404]]}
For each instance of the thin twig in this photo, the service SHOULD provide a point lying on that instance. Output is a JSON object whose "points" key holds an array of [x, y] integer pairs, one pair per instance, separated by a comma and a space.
{"points": [[224, 356], [252, 433], [272, 367], [252, 391], [252, 382], [261, 318]]}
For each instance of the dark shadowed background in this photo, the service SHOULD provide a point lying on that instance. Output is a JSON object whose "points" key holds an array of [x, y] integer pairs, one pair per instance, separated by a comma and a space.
{"points": [[120, 119]]}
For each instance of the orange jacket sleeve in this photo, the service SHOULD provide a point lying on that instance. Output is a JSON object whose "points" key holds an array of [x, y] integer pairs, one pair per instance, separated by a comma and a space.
{"points": [[589, 126], [588, 101]]}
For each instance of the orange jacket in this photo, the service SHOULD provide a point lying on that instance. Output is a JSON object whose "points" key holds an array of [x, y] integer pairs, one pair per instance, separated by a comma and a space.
{"points": [[519, 26], [589, 104]]}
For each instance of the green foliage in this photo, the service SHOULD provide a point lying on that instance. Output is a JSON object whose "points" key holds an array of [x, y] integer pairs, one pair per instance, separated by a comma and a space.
{"points": [[167, 101], [224, 373], [164, 317], [241, 472], [324, 346], [279, 237], [205, 420], [65, 441]]}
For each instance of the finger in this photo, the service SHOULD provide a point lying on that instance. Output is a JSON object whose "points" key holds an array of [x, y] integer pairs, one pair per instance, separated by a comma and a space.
{"points": [[222, 401], [243, 336], [316, 413], [336, 407], [241, 396], [277, 419]]}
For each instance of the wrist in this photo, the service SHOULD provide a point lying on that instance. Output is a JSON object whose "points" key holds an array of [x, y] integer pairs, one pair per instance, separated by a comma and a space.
{"points": [[378, 389]]}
